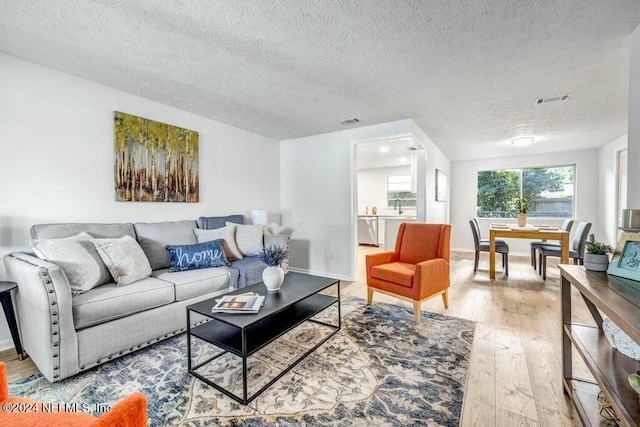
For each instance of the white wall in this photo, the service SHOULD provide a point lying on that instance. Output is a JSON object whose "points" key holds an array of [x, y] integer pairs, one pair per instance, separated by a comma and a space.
{"points": [[633, 194], [56, 132], [437, 212], [372, 189], [607, 218], [318, 196], [464, 182]]}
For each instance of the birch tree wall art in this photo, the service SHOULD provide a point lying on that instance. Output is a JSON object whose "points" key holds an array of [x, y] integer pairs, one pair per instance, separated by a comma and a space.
{"points": [[154, 161]]}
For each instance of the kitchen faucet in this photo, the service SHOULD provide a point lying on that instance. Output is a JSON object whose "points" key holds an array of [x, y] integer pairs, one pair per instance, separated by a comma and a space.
{"points": [[398, 205]]}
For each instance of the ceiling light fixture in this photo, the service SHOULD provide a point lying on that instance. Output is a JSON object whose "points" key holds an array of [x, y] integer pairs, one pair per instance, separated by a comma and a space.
{"points": [[384, 149], [523, 140]]}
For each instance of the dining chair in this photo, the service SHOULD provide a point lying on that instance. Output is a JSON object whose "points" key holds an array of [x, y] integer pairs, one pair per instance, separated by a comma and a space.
{"points": [[418, 269], [566, 226], [576, 251], [482, 245], [475, 220]]}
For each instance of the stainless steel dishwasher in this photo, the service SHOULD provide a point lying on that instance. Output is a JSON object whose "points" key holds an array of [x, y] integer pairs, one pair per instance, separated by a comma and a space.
{"points": [[368, 230]]}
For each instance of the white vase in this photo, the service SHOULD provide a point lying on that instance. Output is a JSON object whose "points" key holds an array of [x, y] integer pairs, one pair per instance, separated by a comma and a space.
{"points": [[522, 220], [273, 278]]}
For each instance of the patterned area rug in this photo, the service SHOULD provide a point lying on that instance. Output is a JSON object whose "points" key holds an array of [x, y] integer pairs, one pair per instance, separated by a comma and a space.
{"points": [[380, 369]]}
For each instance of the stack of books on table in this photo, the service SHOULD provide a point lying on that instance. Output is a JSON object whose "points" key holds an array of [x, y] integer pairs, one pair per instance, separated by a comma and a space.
{"points": [[248, 303]]}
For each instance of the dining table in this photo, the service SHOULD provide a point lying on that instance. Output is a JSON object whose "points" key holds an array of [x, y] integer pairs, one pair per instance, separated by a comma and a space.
{"points": [[528, 232]]}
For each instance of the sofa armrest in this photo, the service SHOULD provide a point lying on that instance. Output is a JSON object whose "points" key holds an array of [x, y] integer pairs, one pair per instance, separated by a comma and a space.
{"points": [[278, 240], [43, 304], [433, 276]]}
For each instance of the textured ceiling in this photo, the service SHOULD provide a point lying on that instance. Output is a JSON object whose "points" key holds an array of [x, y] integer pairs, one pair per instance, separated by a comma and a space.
{"points": [[467, 71]]}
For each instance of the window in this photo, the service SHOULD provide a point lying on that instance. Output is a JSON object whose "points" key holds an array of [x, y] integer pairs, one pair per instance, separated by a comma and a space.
{"points": [[399, 189], [548, 190]]}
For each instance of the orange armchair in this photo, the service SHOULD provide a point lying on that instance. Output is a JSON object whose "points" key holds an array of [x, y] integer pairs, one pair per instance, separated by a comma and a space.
{"points": [[418, 268], [18, 411]]}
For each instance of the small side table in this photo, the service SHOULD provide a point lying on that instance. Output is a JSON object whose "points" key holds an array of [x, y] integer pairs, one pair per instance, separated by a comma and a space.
{"points": [[9, 313]]}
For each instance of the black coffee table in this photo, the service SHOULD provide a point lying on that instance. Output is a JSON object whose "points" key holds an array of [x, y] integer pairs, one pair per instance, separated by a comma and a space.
{"points": [[242, 335]]}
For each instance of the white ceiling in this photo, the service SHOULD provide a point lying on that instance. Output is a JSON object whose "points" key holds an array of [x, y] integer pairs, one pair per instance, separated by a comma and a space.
{"points": [[385, 154], [467, 71]]}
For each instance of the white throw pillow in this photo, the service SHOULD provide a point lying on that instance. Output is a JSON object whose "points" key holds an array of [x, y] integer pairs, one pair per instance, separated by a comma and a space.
{"points": [[77, 257], [227, 234], [249, 238], [124, 258], [273, 228]]}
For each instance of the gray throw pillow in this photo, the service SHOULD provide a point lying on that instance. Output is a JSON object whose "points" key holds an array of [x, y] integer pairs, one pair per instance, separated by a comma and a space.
{"points": [[227, 234], [77, 257], [249, 238], [124, 258]]}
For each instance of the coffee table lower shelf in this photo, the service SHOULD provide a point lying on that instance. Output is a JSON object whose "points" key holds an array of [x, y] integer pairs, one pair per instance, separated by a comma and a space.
{"points": [[243, 342]]}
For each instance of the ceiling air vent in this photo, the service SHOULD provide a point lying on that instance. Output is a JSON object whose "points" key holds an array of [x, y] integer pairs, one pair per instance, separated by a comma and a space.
{"points": [[350, 122], [552, 99]]}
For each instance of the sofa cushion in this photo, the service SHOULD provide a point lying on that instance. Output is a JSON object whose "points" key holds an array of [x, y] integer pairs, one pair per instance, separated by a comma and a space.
{"points": [[227, 234], [77, 257], [124, 258], [213, 222], [193, 283], [400, 273], [249, 270], [195, 257], [155, 236], [58, 231], [109, 302], [250, 238]]}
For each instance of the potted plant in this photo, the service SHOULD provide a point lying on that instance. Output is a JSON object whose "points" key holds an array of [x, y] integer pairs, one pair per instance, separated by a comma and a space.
{"points": [[522, 205], [596, 257], [273, 275]]}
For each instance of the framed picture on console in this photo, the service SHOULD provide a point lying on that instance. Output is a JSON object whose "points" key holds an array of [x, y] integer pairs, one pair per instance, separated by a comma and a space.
{"points": [[626, 258]]}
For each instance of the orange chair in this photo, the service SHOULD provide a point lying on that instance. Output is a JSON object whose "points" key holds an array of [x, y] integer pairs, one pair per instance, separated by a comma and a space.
{"points": [[18, 411], [417, 270]]}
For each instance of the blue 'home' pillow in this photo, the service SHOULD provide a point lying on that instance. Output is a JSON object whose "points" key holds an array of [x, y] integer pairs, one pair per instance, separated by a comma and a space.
{"points": [[201, 255]]}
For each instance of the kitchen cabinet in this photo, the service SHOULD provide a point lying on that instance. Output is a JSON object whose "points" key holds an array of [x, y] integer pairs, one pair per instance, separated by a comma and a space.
{"points": [[392, 225], [381, 228]]}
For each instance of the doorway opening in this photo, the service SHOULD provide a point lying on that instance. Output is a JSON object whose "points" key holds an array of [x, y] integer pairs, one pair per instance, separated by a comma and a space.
{"points": [[387, 192]]}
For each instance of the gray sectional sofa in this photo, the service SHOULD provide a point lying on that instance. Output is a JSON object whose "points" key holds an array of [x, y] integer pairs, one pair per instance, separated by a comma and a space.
{"points": [[65, 334]]}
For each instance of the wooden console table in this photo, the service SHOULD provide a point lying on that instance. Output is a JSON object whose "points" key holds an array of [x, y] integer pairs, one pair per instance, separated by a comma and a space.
{"points": [[618, 299]]}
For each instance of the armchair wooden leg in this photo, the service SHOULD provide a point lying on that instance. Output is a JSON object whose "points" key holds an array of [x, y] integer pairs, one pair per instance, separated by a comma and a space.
{"points": [[445, 298], [416, 311], [369, 295]]}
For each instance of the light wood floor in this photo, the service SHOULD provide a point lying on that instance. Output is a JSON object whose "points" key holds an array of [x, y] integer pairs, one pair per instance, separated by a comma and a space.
{"points": [[515, 373]]}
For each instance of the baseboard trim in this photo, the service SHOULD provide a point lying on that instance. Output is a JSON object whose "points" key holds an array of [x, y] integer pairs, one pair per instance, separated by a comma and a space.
{"points": [[320, 273]]}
